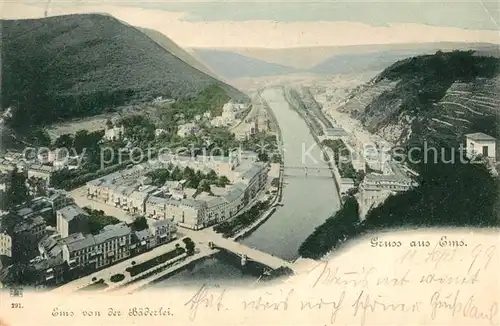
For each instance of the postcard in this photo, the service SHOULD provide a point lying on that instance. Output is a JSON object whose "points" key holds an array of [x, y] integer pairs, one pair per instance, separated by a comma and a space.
{"points": [[249, 163]]}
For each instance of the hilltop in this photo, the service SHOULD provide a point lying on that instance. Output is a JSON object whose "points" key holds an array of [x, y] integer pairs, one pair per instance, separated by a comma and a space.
{"points": [[176, 50], [63, 67]]}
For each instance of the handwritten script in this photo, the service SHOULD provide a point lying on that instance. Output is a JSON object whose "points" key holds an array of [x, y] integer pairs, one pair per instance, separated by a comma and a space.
{"points": [[435, 283]]}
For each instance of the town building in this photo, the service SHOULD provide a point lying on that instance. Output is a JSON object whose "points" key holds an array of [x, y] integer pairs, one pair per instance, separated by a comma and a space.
{"points": [[174, 201], [144, 240], [71, 219], [114, 133], [59, 198], [112, 244], [376, 187], [481, 144], [34, 226], [336, 133], [43, 172], [26, 236], [254, 178], [50, 264], [158, 233], [5, 244], [187, 129]]}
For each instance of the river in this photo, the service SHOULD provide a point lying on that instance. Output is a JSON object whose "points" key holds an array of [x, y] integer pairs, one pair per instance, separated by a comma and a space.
{"points": [[308, 202]]}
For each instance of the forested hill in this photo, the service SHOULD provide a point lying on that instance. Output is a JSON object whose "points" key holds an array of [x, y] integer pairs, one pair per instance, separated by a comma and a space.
{"points": [[63, 67], [176, 50], [437, 98]]}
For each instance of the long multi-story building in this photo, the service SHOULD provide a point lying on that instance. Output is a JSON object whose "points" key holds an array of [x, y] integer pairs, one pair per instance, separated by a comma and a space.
{"points": [[82, 253], [95, 251], [122, 190]]}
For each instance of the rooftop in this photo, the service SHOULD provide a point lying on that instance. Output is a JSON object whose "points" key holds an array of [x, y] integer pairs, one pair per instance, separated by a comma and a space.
{"points": [[254, 169], [336, 132], [479, 136], [143, 234], [71, 211], [160, 223], [78, 241]]}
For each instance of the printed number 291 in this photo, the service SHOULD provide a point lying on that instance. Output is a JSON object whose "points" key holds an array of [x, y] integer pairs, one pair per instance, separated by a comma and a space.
{"points": [[16, 305]]}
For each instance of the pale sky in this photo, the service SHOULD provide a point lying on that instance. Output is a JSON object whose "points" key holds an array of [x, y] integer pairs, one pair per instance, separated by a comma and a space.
{"points": [[277, 24]]}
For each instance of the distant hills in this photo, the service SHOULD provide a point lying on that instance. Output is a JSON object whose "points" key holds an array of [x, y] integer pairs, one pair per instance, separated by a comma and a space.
{"points": [[70, 66], [234, 65], [238, 62]]}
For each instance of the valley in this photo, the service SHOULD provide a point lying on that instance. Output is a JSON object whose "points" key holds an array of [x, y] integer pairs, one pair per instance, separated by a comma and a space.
{"points": [[229, 157]]}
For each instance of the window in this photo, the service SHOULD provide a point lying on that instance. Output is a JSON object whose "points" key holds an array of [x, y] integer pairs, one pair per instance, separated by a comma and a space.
{"points": [[485, 151]]}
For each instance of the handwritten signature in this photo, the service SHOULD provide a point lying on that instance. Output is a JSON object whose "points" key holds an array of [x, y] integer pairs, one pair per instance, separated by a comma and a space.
{"points": [[205, 299], [468, 308]]}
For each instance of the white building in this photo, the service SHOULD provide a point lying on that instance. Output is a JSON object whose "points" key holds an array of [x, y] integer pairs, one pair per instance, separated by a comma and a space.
{"points": [[217, 122], [39, 171], [482, 144], [187, 129], [159, 132], [5, 245], [114, 133]]}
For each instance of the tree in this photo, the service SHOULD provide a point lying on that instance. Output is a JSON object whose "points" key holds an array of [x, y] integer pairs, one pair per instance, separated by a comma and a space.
{"points": [[189, 246], [333, 232], [39, 137], [176, 174], [204, 186], [223, 181], [140, 223], [211, 175], [38, 186], [64, 141], [97, 220], [81, 140], [18, 192]]}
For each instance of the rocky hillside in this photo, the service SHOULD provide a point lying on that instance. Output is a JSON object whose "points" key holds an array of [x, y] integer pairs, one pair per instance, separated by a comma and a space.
{"points": [[70, 66], [436, 98]]}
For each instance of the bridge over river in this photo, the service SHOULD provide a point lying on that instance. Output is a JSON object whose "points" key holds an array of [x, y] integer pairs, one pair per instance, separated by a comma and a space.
{"points": [[306, 171], [209, 237]]}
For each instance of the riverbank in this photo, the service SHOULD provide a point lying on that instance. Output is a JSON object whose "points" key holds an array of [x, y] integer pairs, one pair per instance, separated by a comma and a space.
{"points": [[272, 204], [301, 212], [312, 129]]}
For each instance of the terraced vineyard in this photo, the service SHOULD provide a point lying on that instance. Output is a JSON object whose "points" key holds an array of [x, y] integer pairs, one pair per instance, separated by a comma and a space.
{"points": [[430, 98]]}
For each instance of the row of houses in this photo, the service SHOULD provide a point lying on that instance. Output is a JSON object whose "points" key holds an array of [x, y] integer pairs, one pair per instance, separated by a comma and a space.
{"points": [[82, 253], [136, 197]]}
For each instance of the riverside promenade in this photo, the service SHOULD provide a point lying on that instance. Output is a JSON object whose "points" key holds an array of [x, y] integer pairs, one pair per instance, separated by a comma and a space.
{"points": [[201, 252], [120, 268]]}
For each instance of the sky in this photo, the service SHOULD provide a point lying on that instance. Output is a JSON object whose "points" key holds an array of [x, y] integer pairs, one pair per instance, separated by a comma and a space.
{"points": [[285, 24]]}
